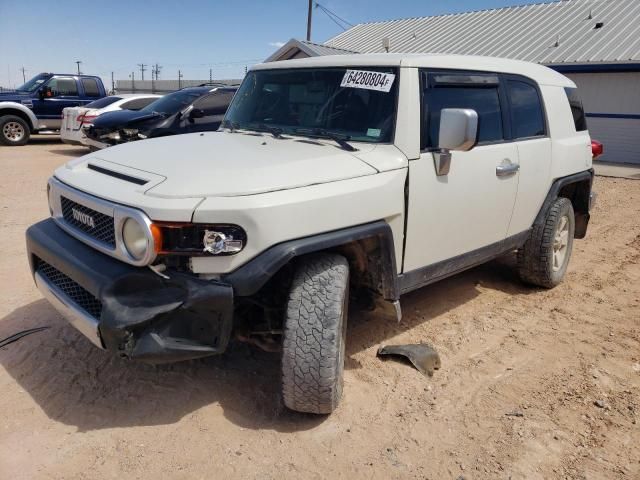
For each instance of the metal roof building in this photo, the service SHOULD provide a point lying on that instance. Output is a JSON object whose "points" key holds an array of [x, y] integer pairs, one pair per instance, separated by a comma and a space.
{"points": [[594, 42]]}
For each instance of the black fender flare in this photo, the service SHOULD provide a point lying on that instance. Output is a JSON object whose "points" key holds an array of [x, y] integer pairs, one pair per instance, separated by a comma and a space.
{"points": [[582, 209], [253, 275]]}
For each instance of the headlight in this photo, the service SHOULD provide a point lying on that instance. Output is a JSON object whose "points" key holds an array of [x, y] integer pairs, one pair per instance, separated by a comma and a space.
{"points": [[218, 242], [135, 238]]}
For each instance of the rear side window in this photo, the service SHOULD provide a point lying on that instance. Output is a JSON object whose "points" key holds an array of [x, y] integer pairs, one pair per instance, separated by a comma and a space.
{"points": [[90, 86], [527, 117], [103, 102], [137, 103], [577, 110], [485, 100]]}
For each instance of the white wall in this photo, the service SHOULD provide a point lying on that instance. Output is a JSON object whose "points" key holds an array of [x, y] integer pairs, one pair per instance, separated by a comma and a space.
{"points": [[612, 93]]}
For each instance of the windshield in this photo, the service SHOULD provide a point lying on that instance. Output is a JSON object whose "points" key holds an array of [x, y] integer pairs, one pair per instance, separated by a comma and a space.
{"points": [[173, 102], [357, 104], [33, 84]]}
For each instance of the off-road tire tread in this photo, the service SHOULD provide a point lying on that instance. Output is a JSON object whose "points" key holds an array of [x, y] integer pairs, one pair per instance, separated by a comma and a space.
{"points": [[534, 258], [313, 344]]}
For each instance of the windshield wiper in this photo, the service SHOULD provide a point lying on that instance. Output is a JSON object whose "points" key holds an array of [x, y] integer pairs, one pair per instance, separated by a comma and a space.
{"points": [[341, 140], [262, 127]]}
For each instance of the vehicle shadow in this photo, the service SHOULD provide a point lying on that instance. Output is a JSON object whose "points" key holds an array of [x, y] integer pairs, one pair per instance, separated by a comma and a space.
{"points": [[372, 328], [70, 152], [77, 384]]}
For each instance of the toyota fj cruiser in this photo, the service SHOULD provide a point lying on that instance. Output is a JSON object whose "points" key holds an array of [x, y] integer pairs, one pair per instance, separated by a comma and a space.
{"points": [[381, 173]]}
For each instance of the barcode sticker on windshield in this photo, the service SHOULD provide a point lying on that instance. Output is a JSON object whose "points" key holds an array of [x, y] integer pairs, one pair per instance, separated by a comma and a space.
{"points": [[379, 81]]}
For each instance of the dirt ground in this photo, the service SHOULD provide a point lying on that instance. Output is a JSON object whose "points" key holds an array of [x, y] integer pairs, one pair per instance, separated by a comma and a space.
{"points": [[534, 383]]}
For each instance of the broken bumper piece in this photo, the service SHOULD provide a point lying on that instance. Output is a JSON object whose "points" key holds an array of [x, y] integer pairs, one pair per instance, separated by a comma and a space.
{"points": [[129, 310]]}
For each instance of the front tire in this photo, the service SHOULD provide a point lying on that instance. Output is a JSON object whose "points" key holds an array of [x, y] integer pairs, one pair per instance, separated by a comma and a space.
{"points": [[544, 258], [14, 131], [314, 334]]}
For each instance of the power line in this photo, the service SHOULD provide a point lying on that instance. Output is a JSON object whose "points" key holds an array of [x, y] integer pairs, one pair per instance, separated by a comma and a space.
{"points": [[339, 21]]}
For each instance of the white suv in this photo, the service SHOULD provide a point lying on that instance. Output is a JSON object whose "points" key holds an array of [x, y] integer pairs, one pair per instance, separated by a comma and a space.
{"points": [[381, 173]]}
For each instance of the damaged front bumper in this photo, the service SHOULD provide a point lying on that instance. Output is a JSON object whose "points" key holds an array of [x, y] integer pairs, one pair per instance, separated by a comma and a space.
{"points": [[129, 310]]}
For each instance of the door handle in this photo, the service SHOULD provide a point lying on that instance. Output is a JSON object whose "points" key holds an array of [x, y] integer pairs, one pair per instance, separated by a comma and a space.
{"points": [[507, 168]]}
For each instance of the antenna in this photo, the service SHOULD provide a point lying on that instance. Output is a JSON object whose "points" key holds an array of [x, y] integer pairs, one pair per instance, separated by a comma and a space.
{"points": [[78, 62]]}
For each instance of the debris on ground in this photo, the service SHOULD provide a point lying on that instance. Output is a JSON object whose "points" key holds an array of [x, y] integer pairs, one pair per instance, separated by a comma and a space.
{"points": [[422, 356]]}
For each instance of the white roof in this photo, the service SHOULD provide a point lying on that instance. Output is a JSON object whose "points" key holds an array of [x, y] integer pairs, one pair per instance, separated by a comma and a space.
{"points": [[553, 33], [539, 73]]}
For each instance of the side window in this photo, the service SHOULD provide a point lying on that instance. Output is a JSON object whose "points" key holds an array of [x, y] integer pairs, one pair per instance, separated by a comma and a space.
{"points": [[527, 117], [485, 100], [215, 103], [137, 103], [90, 86], [576, 109], [63, 86]]}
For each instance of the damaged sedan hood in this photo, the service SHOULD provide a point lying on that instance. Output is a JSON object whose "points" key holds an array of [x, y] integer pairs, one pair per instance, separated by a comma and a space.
{"points": [[225, 164]]}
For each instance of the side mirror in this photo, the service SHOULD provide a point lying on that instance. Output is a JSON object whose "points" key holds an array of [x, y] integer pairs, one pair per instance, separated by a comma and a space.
{"points": [[458, 132], [45, 92], [196, 113]]}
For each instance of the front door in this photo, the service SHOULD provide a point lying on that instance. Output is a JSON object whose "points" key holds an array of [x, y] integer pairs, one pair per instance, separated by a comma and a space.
{"points": [[63, 93], [452, 217]]}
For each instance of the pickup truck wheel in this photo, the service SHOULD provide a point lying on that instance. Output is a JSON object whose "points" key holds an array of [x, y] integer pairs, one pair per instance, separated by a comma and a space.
{"points": [[14, 131], [543, 259], [314, 334]]}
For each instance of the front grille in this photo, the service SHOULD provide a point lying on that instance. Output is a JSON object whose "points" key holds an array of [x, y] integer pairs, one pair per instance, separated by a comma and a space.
{"points": [[71, 289], [99, 227]]}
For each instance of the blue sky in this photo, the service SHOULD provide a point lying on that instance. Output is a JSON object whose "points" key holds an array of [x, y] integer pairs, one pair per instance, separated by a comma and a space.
{"points": [[190, 35]]}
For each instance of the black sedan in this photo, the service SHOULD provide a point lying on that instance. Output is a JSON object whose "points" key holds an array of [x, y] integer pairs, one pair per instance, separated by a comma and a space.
{"points": [[192, 109]]}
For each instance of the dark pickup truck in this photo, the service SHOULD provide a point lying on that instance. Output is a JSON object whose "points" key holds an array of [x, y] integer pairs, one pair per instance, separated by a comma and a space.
{"points": [[37, 105]]}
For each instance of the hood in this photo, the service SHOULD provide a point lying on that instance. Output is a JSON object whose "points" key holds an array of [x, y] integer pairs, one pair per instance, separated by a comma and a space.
{"points": [[13, 96], [123, 118], [226, 164]]}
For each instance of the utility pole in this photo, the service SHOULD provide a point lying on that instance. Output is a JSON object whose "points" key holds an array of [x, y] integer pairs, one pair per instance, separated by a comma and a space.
{"points": [[24, 79], [158, 68], [133, 81], [142, 70], [113, 84], [179, 79], [245, 70], [78, 62], [211, 75], [309, 13]]}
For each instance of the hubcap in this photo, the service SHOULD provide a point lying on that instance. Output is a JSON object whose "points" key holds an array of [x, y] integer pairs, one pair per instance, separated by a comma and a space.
{"points": [[13, 131], [560, 243]]}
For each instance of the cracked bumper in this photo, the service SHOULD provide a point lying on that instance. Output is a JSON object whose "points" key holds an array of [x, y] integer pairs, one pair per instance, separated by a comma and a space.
{"points": [[129, 310]]}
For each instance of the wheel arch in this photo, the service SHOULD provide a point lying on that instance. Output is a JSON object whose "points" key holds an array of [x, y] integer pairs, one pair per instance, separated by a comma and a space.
{"points": [[369, 249], [577, 188], [19, 110]]}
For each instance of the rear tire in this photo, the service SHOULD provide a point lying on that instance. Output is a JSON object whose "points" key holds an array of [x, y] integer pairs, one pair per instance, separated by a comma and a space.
{"points": [[544, 258], [14, 131], [314, 334]]}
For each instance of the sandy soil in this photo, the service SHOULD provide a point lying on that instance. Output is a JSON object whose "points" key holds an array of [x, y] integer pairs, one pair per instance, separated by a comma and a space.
{"points": [[69, 410]]}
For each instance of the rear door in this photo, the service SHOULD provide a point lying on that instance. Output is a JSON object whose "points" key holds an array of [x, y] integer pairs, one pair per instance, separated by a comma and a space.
{"points": [[529, 131], [451, 216]]}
